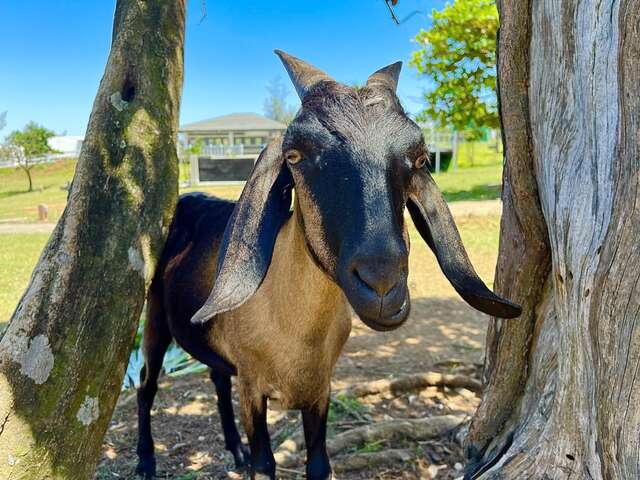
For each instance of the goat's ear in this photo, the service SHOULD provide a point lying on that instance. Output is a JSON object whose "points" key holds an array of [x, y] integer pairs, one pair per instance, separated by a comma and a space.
{"points": [[433, 220], [302, 74], [247, 244], [387, 76]]}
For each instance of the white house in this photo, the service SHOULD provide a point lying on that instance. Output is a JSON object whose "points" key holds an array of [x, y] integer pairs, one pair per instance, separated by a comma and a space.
{"points": [[69, 145], [227, 146]]}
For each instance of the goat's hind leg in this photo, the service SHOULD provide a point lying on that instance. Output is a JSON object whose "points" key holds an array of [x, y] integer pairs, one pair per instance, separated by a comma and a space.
{"points": [[225, 409], [156, 340]]}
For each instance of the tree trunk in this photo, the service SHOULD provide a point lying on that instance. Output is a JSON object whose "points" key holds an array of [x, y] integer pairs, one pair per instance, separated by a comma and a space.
{"points": [[63, 356], [563, 389], [27, 170]]}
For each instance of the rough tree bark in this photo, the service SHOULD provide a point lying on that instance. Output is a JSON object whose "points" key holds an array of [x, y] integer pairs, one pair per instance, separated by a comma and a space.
{"points": [[563, 392], [63, 356]]}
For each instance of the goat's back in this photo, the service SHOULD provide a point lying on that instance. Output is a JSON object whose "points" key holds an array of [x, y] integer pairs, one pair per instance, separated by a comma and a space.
{"points": [[199, 219], [186, 270]]}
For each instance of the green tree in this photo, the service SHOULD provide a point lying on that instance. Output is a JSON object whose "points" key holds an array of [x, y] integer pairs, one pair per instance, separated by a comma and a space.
{"points": [[3, 119], [24, 145], [458, 54], [275, 105], [33, 138]]}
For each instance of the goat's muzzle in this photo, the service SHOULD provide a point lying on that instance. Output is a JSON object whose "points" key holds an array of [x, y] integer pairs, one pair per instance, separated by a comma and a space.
{"points": [[376, 288], [385, 324]]}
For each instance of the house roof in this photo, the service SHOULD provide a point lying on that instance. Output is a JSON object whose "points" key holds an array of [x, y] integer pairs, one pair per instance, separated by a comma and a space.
{"points": [[234, 121]]}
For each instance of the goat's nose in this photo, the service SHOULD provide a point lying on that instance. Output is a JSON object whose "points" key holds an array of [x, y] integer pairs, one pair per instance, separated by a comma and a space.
{"points": [[380, 277]]}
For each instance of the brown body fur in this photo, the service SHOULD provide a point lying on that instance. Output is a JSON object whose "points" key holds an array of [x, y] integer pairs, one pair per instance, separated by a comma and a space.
{"points": [[285, 340]]}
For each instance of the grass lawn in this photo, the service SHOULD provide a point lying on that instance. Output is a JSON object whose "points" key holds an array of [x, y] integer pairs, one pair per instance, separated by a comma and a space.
{"points": [[18, 255], [19, 205], [16, 204], [478, 183], [479, 154]]}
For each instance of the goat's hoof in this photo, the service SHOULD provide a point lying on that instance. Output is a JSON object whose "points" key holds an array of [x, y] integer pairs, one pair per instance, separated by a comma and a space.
{"points": [[146, 467], [241, 456], [320, 475]]}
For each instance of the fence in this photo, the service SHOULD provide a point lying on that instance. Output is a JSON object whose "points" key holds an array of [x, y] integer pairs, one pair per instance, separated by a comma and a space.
{"points": [[439, 142], [463, 152], [223, 150]]}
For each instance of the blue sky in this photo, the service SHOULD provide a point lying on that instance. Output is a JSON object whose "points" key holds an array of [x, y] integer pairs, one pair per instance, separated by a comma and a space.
{"points": [[52, 53]]}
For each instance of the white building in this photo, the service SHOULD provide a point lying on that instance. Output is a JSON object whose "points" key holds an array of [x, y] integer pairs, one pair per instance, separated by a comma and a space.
{"points": [[227, 145], [69, 145]]}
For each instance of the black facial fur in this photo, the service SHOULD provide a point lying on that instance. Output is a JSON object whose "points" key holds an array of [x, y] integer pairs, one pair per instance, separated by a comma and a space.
{"points": [[357, 149]]}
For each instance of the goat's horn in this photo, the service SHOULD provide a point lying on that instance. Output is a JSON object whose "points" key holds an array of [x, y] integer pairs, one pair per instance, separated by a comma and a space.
{"points": [[303, 75], [386, 76]]}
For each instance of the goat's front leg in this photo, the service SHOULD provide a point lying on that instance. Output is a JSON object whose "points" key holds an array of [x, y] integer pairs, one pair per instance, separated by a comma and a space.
{"points": [[254, 418], [314, 422]]}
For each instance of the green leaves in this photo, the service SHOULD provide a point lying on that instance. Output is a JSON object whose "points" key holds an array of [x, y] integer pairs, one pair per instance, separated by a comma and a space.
{"points": [[458, 54], [32, 138]]}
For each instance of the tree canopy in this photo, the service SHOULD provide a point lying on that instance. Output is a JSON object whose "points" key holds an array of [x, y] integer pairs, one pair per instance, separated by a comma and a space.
{"points": [[32, 138], [458, 54]]}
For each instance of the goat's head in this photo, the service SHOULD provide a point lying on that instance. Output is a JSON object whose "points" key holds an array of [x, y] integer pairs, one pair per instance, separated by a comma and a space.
{"points": [[356, 162]]}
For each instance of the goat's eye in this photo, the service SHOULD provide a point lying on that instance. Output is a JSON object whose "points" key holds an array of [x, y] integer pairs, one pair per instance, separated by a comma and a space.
{"points": [[420, 161], [293, 156]]}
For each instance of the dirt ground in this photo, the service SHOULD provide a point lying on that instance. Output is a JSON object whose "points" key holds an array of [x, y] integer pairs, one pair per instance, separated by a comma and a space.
{"points": [[441, 328]]}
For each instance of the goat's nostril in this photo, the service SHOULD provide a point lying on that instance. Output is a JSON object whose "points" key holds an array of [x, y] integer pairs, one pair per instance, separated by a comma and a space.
{"points": [[378, 281]]}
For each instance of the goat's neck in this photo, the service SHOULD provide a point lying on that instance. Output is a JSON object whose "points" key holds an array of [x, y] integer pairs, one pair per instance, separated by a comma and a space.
{"points": [[307, 299]]}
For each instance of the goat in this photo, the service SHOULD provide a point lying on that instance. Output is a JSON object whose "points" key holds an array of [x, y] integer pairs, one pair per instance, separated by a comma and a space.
{"points": [[284, 281]]}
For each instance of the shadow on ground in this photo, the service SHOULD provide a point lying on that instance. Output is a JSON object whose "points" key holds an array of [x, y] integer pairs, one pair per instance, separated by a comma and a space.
{"points": [[438, 329]]}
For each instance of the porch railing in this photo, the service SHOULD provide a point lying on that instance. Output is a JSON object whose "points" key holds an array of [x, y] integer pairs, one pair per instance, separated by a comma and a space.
{"points": [[220, 150]]}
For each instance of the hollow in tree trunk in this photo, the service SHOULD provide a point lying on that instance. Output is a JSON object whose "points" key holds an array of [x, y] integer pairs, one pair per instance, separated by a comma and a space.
{"points": [[563, 390], [63, 355]]}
